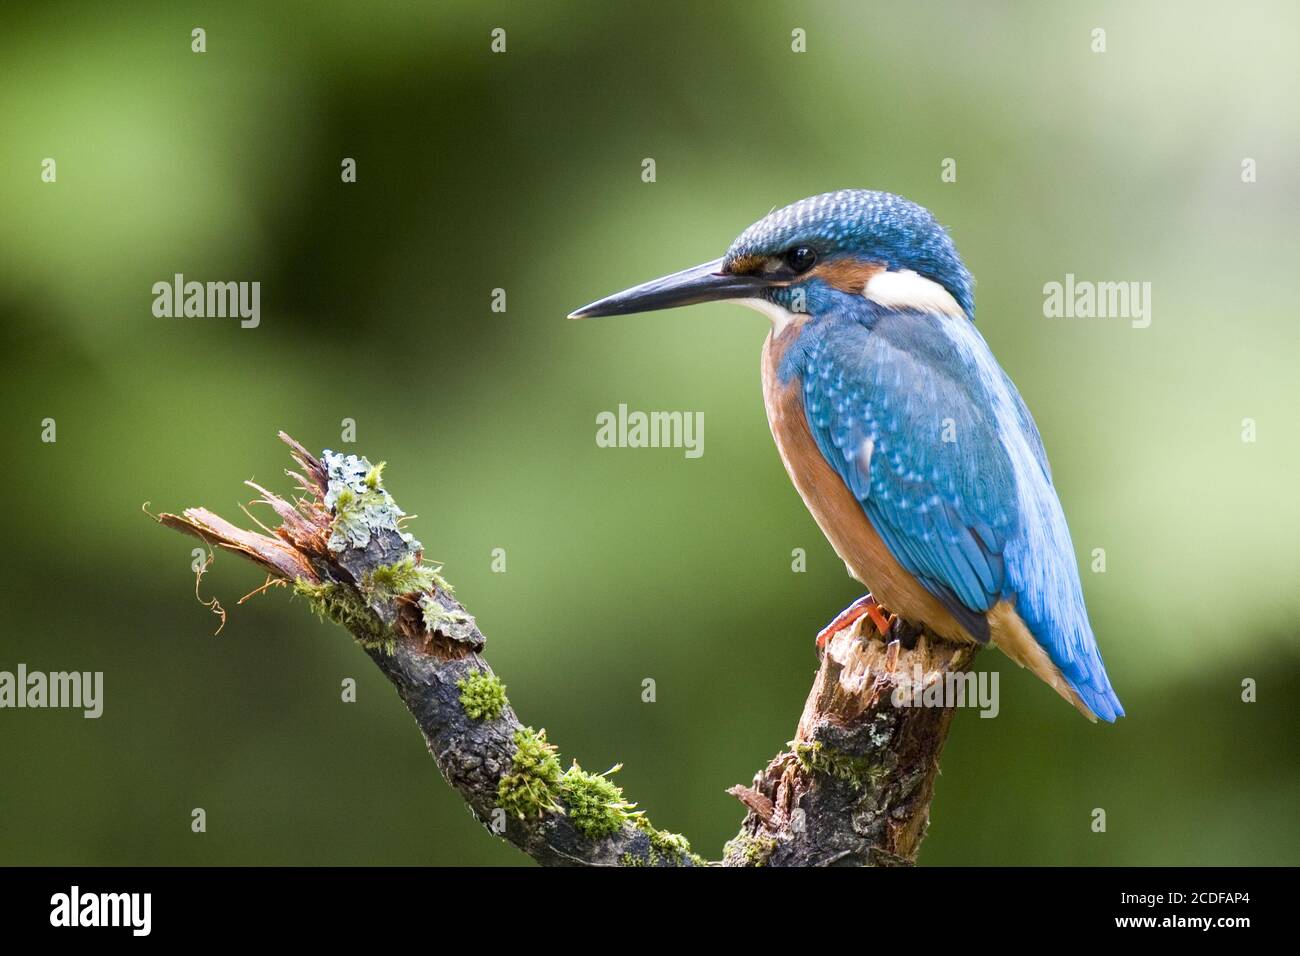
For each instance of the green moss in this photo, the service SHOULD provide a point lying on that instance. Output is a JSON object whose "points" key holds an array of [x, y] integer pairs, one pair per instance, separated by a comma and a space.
{"points": [[341, 604], [859, 771], [482, 695], [374, 479], [389, 581], [750, 850], [595, 803], [531, 788], [674, 846]]}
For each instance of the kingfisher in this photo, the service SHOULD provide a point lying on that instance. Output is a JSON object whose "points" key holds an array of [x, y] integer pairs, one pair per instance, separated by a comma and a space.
{"points": [[908, 443]]}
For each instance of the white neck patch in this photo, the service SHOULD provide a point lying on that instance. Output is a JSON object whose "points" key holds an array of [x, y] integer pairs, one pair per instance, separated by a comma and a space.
{"points": [[908, 290]]}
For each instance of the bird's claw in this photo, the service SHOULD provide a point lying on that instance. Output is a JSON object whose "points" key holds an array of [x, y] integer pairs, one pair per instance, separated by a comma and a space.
{"points": [[863, 606], [882, 618]]}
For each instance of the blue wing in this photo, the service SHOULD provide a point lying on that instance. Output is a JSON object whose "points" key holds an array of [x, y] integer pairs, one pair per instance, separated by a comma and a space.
{"points": [[907, 409], [910, 443]]}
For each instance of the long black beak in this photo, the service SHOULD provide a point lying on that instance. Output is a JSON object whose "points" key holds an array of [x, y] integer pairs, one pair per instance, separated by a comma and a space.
{"points": [[703, 283]]}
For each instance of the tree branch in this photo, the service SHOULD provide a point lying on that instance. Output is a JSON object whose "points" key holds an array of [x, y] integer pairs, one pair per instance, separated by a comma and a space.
{"points": [[854, 788]]}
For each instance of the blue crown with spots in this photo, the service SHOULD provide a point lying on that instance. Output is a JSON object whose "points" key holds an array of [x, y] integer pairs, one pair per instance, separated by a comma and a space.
{"points": [[865, 224]]}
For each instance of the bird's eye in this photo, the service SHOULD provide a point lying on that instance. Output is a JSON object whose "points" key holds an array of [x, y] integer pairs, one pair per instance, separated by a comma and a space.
{"points": [[800, 258]]}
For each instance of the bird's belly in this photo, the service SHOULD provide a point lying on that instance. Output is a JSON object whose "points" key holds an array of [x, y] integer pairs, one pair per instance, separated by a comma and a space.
{"points": [[839, 514]]}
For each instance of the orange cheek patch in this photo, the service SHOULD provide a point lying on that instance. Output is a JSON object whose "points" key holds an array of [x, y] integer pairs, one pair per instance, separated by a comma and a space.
{"points": [[847, 275]]}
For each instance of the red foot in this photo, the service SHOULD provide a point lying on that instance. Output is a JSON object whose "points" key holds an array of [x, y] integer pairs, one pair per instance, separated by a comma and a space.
{"points": [[864, 605]]}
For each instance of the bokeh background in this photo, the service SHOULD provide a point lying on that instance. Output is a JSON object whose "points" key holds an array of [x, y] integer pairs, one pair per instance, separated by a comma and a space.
{"points": [[522, 171]]}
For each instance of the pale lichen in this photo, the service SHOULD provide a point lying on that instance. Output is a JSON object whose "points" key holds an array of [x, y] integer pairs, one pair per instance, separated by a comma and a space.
{"points": [[361, 506], [454, 623]]}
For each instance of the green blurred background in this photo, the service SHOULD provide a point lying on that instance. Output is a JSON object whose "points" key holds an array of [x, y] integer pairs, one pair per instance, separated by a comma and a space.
{"points": [[522, 171]]}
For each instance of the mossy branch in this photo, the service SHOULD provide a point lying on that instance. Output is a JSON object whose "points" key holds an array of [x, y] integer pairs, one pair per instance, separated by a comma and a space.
{"points": [[853, 789], [341, 546]]}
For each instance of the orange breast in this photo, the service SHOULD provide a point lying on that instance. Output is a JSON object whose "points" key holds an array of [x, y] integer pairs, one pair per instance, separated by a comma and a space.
{"points": [[833, 506]]}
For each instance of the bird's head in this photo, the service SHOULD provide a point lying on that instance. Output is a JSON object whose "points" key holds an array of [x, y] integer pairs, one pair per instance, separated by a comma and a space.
{"points": [[808, 256]]}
